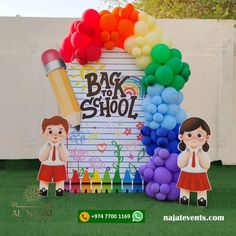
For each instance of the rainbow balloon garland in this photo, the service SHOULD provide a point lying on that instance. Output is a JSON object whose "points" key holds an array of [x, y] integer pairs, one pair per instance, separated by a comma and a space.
{"points": [[165, 74]]}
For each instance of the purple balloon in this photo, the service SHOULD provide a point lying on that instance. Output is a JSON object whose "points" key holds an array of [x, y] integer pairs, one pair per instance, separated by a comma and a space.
{"points": [[175, 176], [141, 169], [158, 161], [164, 153], [151, 165], [173, 195], [162, 175], [148, 174], [149, 191], [156, 151], [171, 162], [165, 188], [160, 196], [155, 188]]}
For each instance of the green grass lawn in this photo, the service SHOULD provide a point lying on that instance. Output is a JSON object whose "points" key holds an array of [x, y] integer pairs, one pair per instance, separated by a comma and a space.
{"points": [[59, 215]]}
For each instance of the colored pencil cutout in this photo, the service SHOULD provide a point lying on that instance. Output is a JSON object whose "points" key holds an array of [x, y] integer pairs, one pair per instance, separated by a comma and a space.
{"points": [[56, 72], [86, 182], [96, 182], [106, 182], [127, 183], [75, 182], [137, 183]]}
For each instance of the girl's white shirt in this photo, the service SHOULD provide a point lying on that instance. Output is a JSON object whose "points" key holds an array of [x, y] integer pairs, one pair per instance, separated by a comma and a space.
{"points": [[49, 161], [197, 168]]}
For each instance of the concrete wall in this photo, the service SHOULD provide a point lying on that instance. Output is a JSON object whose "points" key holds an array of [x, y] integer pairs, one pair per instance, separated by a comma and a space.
{"points": [[209, 47]]}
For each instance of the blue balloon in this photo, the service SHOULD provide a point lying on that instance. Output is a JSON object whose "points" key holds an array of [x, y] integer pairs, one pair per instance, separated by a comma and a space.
{"points": [[158, 117], [157, 100], [145, 103], [171, 135], [150, 149], [154, 125], [154, 136], [148, 117], [162, 108], [180, 116], [162, 142], [146, 141], [146, 131], [180, 98], [152, 108], [176, 129], [169, 95], [169, 122], [172, 109], [155, 90], [173, 146], [161, 132]]}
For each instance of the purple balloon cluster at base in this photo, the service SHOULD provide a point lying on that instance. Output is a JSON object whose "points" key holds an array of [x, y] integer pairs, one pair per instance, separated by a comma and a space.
{"points": [[161, 173]]}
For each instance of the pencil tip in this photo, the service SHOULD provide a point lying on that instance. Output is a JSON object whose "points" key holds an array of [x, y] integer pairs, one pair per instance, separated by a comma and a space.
{"points": [[77, 127]]}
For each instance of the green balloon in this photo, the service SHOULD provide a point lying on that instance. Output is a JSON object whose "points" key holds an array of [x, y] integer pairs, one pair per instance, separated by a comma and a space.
{"points": [[160, 53], [151, 68], [178, 82], [143, 84], [164, 75], [174, 52], [185, 72], [175, 64], [150, 80], [185, 64]]}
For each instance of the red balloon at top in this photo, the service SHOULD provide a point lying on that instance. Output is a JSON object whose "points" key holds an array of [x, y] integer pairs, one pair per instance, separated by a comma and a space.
{"points": [[91, 17]]}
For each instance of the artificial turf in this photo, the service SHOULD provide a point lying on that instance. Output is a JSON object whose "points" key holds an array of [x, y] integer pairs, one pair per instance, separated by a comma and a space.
{"points": [[59, 215]]}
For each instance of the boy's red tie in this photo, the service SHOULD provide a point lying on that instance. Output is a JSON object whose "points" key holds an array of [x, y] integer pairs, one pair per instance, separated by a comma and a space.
{"points": [[193, 160], [54, 153]]}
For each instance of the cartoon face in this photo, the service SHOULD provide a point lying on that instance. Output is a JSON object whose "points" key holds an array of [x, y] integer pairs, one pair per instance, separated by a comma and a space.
{"points": [[55, 133], [195, 138]]}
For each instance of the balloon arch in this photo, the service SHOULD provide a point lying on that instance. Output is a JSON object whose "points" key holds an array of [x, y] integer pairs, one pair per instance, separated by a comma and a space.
{"points": [[165, 74]]}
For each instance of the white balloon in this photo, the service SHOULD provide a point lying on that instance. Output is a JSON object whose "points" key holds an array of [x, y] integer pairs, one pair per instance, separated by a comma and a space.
{"points": [[141, 28], [152, 38], [129, 44], [136, 52], [140, 41], [143, 16], [143, 61]]}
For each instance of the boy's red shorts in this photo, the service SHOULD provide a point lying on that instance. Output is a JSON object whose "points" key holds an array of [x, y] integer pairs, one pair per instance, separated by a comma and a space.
{"points": [[52, 173]]}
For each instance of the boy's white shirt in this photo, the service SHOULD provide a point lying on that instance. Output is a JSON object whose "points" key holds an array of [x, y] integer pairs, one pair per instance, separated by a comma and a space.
{"points": [[197, 168], [49, 161]]}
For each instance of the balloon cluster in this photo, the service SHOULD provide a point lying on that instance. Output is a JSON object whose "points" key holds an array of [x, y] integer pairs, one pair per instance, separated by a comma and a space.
{"points": [[147, 33], [117, 25], [166, 68], [161, 137], [161, 173], [83, 41], [161, 107]]}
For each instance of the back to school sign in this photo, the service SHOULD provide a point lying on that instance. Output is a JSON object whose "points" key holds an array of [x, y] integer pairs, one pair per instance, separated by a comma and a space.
{"points": [[108, 147]]}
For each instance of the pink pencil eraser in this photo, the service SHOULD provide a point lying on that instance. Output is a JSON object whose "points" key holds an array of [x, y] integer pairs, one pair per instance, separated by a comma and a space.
{"points": [[50, 55]]}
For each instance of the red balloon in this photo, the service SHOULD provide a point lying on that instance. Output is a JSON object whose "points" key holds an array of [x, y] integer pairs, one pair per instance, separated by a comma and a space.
{"points": [[93, 53], [67, 56], [79, 53], [79, 40], [91, 31], [91, 17], [83, 61], [81, 27], [66, 44], [73, 26]]}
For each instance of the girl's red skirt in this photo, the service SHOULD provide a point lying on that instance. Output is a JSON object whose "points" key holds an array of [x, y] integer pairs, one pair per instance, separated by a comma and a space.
{"points": [[193, 181]]}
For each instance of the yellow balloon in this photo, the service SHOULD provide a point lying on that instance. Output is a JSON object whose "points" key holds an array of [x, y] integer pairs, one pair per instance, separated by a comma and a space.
{"points": [[146, 49], [143, 16], [141, 28], [152, 38], [136, 52], [129, 44], [143, 61], [157, 29], [166, 40], [139, 41], [151, 22]]}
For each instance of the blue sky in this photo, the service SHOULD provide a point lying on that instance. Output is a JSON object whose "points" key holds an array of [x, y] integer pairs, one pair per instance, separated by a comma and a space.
{"points": [[48, 8]]}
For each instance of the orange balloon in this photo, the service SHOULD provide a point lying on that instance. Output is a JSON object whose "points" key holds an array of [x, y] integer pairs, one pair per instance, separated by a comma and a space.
{"points": [[124, 13], [104, 12], [115, 36], [129, 7], [105, 36], [125, 28], [116, 11], [134, 16], [108, 22], [109, 45]]}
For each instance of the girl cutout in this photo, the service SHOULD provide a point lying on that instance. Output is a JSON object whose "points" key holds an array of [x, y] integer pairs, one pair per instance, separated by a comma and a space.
{"points": [[194, 161]]}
